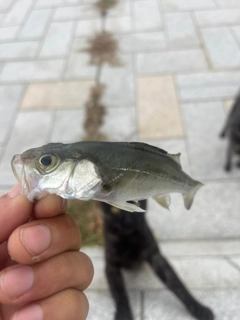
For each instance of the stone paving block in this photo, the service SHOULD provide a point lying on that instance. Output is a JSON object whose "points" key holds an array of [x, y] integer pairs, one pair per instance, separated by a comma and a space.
{"points": [[163, 118], [5, 5], [9, 102], [8, 33], [236, 32], [228, 3], [119, 24], [102, 305], [205, 86], [201, 248], [207, 152], [49, 3], [181, 30], [221, 47], [57, 39], [32, 70], [206, 272], [175, 5], [119, 80], [67, 126], [31, 129], [17, 50], [78, 67], [36, 24], [212, 215], [162, 304], [171, 62], [75, 12], [220, 17], [146, 16], [16, 15], [141, 42], [88, 27], [56, 95]]}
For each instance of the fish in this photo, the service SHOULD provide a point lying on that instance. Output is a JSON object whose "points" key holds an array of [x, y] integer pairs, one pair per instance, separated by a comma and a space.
{"points": [[118, 173]]}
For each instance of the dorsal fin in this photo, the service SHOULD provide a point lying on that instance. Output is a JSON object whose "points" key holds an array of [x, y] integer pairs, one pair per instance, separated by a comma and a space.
{"points": [[176, 158], [144, 146]]}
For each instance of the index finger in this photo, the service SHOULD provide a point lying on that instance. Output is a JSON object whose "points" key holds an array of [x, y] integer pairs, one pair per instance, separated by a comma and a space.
{"points": [[14, 211]]}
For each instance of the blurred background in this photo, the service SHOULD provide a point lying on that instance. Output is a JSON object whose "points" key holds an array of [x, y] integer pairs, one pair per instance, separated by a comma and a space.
{"points": [[165, 72]]}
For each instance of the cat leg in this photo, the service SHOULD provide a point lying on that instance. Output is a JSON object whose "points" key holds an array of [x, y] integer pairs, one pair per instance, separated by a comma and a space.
{"points": [[117, 288]]}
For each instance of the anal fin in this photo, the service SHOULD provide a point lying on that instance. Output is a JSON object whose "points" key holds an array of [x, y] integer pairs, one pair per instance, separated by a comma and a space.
{"points": [[125, 206], [163, 200]]}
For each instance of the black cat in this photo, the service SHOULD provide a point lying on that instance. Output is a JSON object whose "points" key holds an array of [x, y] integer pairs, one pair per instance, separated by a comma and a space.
{"points": [[129, 241], [232, 131]]}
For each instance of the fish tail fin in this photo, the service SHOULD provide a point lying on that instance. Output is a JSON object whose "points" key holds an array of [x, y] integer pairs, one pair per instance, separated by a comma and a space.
{"points": [[188, 198]]}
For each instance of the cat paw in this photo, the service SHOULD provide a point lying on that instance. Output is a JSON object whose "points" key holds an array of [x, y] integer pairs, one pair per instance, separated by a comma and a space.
{"points": [[123, 316], [202, 313]]}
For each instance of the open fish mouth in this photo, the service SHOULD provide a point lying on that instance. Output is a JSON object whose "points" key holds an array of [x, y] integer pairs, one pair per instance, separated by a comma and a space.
{"points": [[20, 174]]}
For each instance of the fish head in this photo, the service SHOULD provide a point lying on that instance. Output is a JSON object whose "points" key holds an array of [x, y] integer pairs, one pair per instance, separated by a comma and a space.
{"points": [[54, 169]]}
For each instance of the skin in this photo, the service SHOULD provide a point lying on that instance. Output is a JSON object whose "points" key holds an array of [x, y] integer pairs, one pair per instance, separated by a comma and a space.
{"points": [[42, 272]]}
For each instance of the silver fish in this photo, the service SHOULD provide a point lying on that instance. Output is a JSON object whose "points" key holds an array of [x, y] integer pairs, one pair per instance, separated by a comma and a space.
{"points": [[112, 172]]}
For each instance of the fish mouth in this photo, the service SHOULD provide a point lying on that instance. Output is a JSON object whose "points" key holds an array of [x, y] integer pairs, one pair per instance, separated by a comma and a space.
{"points": [[18, 169]]}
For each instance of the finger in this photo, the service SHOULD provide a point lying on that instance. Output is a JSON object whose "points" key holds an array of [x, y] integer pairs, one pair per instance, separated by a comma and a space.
{"points": [[49, 206], [22, 284], [41, 239], [74, 305], [13, 212]]}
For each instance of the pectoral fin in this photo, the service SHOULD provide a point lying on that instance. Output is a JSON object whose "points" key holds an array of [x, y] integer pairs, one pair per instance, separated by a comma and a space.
{"points": [[163, 200], [125, 206]]}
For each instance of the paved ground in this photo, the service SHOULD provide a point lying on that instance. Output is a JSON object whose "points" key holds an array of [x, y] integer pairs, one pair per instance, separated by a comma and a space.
{"points": [[181, 70]]}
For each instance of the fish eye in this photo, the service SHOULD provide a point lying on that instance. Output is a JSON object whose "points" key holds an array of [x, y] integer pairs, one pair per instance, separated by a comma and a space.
{"points": [[48, 162]]}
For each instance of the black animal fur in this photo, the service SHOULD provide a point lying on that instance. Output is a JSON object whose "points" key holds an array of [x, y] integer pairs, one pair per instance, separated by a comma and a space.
{"points": [[232, 131], [129, 241]]}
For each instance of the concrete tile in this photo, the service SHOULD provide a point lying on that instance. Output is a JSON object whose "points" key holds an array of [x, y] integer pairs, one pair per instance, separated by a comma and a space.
{"points": [[212, 215], [141, 42], [162, 304], [78, 67], [175, 5], [227, 104], [146, 16], [100, 301], [119, 123], [17, 13], [119, 79], [8, 33], [220, 17], [119, 24], [56, 95], [228, 3], [32, 70], [171, 61], [5, 5], [10, 97], [36, 24], [88, 27], [2, 16], [163, 118], [236, 32], [236, 261], [57, 39], [221, 48], [75, 12], [203, 123], [205, 86], [206, 272], [31, 129], [49, 3], [201, 248], [15, 50], [67, 126], [122, 9], [181, 30]]}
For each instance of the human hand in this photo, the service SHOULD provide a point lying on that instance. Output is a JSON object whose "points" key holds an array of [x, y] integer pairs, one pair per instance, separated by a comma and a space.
{"points": [[42, 272]]}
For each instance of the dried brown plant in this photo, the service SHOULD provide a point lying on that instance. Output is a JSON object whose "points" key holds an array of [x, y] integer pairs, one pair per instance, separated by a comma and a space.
{"points": [[104, 5], [102, 49], [95, 112]]}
